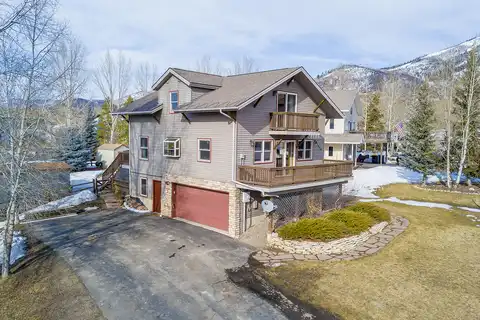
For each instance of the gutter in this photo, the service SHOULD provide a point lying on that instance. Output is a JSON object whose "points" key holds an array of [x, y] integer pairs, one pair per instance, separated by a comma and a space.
{"points": [[226, 115]]}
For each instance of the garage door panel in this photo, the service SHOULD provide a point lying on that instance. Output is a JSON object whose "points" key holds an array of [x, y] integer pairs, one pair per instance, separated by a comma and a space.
{"points": [[202, 206]]}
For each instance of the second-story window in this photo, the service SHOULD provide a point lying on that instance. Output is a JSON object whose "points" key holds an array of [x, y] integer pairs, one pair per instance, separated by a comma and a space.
{"points": [[144, 148], [332, 124], [305, 150], [263, 151], [204, 150], [173, 100], [286, 102]]}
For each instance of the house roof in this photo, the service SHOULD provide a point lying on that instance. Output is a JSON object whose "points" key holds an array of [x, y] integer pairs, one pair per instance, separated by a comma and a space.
{"points": [[232, 92], [111, 146], [147, 104], [51, 166], [190, 78], [343, 98], [344, 138]]}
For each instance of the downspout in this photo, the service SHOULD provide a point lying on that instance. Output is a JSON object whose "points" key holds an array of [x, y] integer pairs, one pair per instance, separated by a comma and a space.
{"points": [[226, 115]]}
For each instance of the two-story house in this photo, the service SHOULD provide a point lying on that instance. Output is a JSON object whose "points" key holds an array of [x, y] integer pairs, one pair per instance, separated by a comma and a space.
{"points": [[341, 135], [207, 149]]}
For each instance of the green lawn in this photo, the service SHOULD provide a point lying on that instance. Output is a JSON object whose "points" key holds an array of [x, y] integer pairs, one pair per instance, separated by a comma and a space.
{"points": [[431, 271], [43, 286], [406, 191]]}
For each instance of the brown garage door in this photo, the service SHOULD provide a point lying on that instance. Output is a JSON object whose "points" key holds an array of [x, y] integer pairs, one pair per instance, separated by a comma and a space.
{"points": [[203, 206]]}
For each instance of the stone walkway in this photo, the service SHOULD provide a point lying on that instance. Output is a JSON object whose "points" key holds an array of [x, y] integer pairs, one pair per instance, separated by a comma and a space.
{"points": [[271, 258]]}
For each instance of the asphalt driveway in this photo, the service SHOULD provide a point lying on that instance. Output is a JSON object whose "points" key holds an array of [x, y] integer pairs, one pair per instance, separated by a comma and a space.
{"points": [[146, 267]]}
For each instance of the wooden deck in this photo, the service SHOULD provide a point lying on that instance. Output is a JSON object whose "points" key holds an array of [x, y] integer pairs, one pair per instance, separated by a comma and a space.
{"points": [[293, 121]]}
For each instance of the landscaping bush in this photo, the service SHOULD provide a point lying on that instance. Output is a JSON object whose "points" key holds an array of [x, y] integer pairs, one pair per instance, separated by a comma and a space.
{"points": [[313, 229], [356, 222], [377, 213]]}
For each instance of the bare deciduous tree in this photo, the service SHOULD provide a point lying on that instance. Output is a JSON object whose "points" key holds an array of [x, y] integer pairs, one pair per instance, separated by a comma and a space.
{"points": [[392, 94], [27, 80], [245, 65], [145, 76], [113, 79]]}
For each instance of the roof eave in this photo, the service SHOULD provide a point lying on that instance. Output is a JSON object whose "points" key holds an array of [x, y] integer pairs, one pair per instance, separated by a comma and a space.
{"points": [[138, 113], [165, 77]]}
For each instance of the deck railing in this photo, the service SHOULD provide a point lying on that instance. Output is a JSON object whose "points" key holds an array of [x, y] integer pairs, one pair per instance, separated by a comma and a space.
{"points": [[293, 121], [274, 177]]}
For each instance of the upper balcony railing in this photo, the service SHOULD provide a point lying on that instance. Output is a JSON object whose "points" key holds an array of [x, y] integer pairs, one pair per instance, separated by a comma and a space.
{"points": [[293, 121], [283, 176]]}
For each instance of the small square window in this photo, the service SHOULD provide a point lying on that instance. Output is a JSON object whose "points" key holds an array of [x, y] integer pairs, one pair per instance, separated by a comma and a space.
{"points": [[305, 150], [263, 151], [171, 147], [144, 148], [143, 187], [204, 150], [332, 124]]}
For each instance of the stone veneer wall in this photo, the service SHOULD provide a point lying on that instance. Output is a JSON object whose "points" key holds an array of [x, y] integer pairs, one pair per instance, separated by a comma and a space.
{"points": [[332, 247]]}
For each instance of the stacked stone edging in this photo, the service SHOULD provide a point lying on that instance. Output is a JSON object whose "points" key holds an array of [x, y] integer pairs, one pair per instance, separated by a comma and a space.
{"points": [[370, 245], [446, 191], [316, 247]]}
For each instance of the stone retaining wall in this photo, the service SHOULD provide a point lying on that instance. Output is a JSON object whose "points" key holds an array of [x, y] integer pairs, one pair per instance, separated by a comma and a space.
{"points": [[315, 247]]}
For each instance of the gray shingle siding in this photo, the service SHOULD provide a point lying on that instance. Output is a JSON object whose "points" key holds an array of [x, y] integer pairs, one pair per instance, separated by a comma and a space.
{"points": [[204, 125], [253, 123]]}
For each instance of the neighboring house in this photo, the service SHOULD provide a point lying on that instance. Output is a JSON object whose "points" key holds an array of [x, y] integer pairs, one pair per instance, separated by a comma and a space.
{"points": [[208, 149], [107, 152], [341, 136]]}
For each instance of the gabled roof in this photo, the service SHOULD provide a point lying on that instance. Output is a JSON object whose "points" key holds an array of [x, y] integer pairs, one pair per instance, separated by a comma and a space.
{"points": [[146, 105], [190, 78], [241, 90], [343, 98]]}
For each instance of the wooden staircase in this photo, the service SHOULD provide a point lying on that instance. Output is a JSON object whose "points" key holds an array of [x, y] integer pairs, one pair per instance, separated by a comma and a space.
{"points": [[110, 200], [103, 185]]}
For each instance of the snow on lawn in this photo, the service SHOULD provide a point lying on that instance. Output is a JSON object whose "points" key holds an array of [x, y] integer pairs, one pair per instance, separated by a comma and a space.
{"points": [[19, 247], [365, 181], [83, 177], [412, 203], [67, 202], [470, 209]]}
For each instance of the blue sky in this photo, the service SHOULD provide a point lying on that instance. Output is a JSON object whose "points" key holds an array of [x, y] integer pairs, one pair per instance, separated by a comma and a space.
{"points": [[318, 35]]}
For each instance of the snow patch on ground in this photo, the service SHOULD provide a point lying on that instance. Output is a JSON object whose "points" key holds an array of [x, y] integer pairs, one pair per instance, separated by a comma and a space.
{"points": [[79, 180], [126, 206], [411, 203], [366, 181], [19, 247], [67, 202], [470, 209]]}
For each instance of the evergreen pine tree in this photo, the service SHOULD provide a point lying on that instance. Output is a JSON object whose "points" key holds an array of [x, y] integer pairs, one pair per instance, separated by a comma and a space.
{"points": [[76, 153], [122, 126], [375, 122], [104, 123], [419, 141], [90, 132]]}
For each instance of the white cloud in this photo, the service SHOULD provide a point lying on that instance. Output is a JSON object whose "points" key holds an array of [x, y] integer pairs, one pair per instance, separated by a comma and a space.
{"points": [[180, 32]]}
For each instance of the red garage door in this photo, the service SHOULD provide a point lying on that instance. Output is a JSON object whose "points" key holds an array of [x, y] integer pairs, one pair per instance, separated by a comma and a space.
{"points": [[202, 206]]}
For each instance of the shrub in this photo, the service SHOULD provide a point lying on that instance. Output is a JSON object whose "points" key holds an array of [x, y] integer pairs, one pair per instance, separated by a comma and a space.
{"points": [[313, 229], [356, 222], [377, 213]]}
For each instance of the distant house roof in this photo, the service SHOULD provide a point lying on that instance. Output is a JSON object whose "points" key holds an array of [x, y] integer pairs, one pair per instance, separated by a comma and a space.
{"points": [[147, 104], [344, 138], [343, 98], [233, 92], [51, 166], [111, 146]]}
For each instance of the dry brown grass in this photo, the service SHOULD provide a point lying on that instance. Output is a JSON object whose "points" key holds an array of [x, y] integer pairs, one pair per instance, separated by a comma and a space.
{"points": [[44, 287], [431, 271], [406, 191]]}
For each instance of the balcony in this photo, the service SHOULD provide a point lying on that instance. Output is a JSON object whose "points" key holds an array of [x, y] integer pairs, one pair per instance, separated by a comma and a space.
{"points": [[284, 176], [291, 122]]}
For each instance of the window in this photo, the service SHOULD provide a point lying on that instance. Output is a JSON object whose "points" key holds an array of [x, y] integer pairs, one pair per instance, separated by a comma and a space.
{"points": [[204, 150], [330, 151], [332, 124], [173, 100], [351, 110], [143, 187], [286, 102], [305, 150], [144, 148], [263, 151], [171, 147]]}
